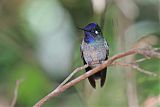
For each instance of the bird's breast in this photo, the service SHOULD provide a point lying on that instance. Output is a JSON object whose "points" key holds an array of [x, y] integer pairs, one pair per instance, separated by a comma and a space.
{"points": [[94, 53]]}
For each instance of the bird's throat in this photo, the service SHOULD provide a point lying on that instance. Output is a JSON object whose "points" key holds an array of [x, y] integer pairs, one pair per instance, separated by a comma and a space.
{"points": [[89, 38]]}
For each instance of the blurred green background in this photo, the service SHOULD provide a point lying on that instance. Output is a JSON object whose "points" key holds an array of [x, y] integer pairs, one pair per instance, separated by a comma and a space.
{"points": [[39, 44]]}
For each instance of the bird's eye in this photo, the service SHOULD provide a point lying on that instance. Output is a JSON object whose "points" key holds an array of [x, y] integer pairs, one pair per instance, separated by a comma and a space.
{"points": [[96, 32]]}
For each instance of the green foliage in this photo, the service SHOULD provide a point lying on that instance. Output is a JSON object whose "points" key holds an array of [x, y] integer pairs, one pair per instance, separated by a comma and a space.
{"points": [[33, 86], [148, 85]]}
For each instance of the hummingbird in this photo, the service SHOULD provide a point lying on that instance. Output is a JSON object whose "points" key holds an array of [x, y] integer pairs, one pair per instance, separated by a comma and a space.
{"points": [[94, 50]]}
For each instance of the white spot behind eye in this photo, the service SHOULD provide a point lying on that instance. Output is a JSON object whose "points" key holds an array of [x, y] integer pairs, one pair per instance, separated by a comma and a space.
{"points": [[96, 32]]}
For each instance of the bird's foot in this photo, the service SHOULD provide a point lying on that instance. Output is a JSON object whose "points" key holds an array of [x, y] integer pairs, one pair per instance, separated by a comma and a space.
{"points": [[101, 62]]}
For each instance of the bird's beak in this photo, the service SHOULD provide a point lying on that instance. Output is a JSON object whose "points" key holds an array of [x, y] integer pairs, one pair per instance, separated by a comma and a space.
{"points": [[81, 29]]}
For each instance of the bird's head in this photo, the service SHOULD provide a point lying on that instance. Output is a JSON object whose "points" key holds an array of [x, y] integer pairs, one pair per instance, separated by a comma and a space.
{"points": [[92, 32]]}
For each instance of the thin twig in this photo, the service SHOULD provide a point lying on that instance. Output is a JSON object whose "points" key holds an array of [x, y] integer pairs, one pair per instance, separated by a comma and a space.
{"points": [[15, 93], [156, 49], [74, 72], [141, 60], [135, 67], [64, 87]]}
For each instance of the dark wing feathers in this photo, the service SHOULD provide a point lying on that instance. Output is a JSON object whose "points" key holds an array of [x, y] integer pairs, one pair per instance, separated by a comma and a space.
{"points": [[91, 78], [103, 74]]}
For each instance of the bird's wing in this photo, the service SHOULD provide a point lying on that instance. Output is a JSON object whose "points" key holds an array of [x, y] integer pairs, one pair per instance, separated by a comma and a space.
{"points": [[103, 74], [91, 78], [104, 71], [106, 47]]}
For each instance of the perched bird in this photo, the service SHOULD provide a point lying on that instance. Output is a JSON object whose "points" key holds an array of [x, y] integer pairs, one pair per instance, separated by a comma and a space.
{"points": [[94, 50]]}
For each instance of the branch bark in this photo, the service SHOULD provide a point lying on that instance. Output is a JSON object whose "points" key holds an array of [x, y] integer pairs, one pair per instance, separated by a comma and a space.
{"points": [[61, 88]]}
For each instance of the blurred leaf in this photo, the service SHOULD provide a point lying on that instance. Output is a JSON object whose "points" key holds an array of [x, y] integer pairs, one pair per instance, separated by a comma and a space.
{"points": [[34, 86]]}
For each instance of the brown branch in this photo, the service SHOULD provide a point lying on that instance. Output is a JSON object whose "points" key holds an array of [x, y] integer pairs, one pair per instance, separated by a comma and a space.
{"points": [[60, 89], [149, 52], [15, 93]]}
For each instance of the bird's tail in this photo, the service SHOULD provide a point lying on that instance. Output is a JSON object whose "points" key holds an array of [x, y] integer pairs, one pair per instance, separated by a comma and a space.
{"points": [[91, 78], [103, 76], [100, 75]]}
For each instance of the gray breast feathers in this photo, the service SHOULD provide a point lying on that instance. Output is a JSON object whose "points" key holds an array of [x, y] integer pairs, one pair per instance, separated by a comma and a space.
{"points": [[94, 53]]}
